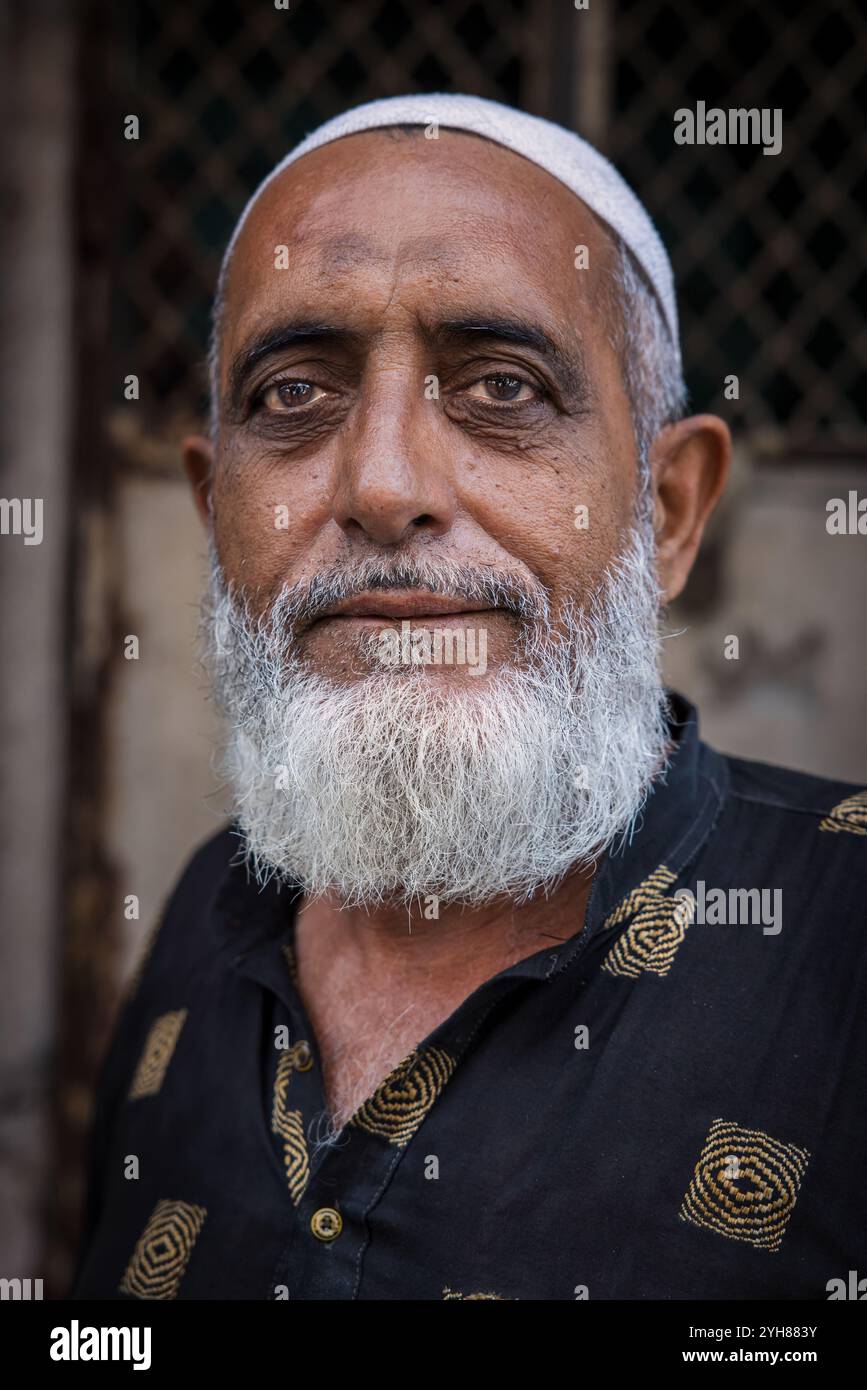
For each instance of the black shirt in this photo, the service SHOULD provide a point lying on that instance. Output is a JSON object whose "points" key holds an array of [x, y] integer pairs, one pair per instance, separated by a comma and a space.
{"points": [[665, 1105]]}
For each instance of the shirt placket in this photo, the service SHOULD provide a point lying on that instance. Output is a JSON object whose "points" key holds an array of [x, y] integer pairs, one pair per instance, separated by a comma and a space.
{"points": [[346, 1176]]}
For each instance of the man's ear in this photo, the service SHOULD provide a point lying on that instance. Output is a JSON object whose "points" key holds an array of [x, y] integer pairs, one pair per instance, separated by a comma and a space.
{"points": [[690, 461], [198, 455]]}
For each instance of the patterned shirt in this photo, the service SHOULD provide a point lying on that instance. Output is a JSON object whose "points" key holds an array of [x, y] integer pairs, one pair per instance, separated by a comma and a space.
{"points": [[668, 1104]]}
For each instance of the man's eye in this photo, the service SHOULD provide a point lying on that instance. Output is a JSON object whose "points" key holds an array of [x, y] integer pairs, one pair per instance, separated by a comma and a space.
{"points": [[287, 395], [503, 386]]}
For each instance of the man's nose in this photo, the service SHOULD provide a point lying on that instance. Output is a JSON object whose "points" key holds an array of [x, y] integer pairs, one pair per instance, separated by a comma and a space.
{"points": [[394, 479]]}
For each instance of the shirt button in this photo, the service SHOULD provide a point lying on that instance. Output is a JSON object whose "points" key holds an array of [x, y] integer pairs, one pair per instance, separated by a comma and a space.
{"points": [[303, 1057], [326, 1223]]}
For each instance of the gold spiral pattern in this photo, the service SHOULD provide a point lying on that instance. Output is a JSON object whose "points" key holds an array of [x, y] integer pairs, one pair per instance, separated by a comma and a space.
{"points": [[400, 1103], [289, 1123], [658, 928], [157, 1052], [469, 1297], [745, 1185], [162, 1253], [849, 816]]}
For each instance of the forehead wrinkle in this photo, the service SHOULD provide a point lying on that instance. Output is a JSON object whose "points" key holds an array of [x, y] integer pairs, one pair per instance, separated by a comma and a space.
{"points": [[330, 255], [299, 198], [465, 233], [343, 252], [465, 247]]}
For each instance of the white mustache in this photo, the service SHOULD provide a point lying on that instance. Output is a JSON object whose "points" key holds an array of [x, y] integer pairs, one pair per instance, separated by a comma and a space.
{"points": [[298, 606]]}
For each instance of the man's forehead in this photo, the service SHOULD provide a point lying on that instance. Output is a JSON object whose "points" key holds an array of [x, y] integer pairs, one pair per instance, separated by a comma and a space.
{"points": [[457, 170], [468, 211]]}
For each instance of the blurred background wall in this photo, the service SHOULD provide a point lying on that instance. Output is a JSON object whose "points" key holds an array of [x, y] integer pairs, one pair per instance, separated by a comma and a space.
{"points": [[110, 247]]}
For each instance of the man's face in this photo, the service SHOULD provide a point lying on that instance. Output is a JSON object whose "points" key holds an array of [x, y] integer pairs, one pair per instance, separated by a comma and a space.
{"points": [[414, 414], [429, 378]]}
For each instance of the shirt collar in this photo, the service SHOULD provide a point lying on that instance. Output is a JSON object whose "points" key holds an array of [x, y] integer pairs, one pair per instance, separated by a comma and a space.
{"points": [[677, 819]]}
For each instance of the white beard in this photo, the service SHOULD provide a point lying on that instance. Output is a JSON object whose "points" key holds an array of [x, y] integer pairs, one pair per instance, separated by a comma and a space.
{"points": [[395, 786]]}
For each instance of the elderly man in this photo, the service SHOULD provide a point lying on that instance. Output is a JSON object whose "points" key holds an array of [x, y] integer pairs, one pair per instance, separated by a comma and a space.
{"points": [[500, 984]]}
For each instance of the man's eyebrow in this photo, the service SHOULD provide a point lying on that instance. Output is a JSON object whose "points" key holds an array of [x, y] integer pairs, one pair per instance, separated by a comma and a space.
{"points": [[277, 339], [569, 364]]}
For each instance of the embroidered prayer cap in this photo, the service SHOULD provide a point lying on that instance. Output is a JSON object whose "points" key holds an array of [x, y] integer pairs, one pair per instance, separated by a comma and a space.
{"points": [[563, 154]]}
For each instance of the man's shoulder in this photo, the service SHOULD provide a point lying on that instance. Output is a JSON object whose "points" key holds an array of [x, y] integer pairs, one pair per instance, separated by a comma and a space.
{"points": [[177, 938], [206, 868], [818, 825], [788, 791], [201, 879], [175, 947]]}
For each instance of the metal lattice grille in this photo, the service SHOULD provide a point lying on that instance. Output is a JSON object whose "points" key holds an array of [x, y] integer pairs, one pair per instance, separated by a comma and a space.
{"points": [[224, 89], [767, 250]]}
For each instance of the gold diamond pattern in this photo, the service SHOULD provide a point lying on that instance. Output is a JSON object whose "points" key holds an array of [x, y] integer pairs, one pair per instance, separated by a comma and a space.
{"points": [[158, 1050], [657, 929], [162, 1254], [400, 1103], [745, 1185]]}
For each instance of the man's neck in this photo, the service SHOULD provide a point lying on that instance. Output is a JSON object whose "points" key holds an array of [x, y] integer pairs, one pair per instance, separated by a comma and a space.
{"points": [[375, 983], [394, 938]]}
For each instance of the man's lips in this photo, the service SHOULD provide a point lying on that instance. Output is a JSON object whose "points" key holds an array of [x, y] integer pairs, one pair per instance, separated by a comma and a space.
{"points": [[404, 604]]}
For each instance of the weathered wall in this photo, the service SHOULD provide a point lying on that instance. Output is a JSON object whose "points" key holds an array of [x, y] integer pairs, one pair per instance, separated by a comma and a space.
{"points": [[34, 429], [163, 797], [794, 595]]}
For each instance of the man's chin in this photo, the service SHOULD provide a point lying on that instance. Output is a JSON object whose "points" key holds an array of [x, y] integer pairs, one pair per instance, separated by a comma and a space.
{"points": [[366, 679], [451, 653]]}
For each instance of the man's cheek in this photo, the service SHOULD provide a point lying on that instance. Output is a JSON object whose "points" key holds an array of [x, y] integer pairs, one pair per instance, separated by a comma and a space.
{"points": [[251, 531]]}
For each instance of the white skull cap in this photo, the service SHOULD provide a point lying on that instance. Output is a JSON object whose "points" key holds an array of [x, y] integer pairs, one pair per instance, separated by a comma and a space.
{"points": [[566, 156]]}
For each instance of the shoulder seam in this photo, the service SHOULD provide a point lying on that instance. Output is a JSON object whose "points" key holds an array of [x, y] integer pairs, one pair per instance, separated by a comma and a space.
{"points": [[781, 805]]}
